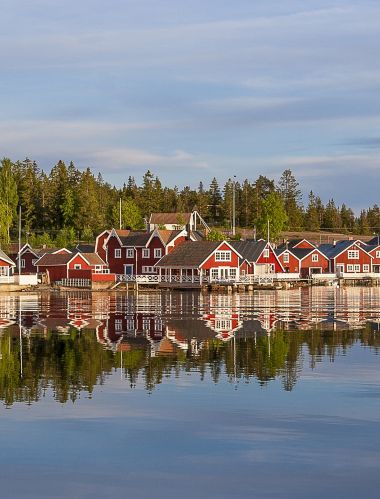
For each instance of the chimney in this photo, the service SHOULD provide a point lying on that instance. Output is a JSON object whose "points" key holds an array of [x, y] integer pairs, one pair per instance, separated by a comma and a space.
{"points": [[188, 232]]}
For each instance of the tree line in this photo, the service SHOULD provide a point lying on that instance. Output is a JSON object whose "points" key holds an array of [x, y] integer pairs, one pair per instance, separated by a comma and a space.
{"points": [[66, 204]]}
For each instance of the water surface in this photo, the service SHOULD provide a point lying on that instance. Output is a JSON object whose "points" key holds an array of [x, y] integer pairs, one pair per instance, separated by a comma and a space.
{"points": [[166, 395]]}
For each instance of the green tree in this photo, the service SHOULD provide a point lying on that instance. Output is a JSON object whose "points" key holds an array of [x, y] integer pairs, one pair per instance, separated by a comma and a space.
{"points": [[8, 195], [215, 235], [288, 188], [130, 215], [273, 210]]}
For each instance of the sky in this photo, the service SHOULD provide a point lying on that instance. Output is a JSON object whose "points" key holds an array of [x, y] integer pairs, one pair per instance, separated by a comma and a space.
{"points": [[193, 89]]}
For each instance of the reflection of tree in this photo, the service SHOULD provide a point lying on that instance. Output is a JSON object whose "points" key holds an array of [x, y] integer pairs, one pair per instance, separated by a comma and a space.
{"points": [[74, 363]]}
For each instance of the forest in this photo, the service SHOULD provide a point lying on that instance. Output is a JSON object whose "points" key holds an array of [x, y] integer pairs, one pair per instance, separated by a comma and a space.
{"points": [[67, 205]]}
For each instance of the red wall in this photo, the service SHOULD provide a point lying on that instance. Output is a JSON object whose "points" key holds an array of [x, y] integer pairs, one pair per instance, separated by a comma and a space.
{"points": [[116, 265], [210, 262], [55, 273], [304, 244], [364, 258], [271, 259], [307, 263], [179, 240], [293, 266], [99, 246]]}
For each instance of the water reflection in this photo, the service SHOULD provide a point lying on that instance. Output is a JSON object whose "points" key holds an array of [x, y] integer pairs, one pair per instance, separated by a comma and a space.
{"points": [[67, 343]]}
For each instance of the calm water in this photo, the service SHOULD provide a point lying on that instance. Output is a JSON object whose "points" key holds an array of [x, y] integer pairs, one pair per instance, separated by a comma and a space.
{"points": [[167, 395]]}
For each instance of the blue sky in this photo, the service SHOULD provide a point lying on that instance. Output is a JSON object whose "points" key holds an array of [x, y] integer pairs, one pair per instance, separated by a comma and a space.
{"points": [[193, 89]]}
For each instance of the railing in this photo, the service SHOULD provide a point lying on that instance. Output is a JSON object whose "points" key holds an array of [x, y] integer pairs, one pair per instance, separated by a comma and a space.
{"points": [[75, 283], [7, 279], [196, 279]]}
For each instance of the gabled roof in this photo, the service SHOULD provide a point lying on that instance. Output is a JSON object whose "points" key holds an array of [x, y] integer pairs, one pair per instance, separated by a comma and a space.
{"points": [[135, 239], [85, 248], [249, 250], [6, 258], [91, 258], [189, 254], [332, 251], [170, 218], [167, 236], [53, 259], [374, 241], [371, 247], [292, 243]]}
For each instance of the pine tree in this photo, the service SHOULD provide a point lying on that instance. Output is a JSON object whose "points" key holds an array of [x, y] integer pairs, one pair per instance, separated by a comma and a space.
{"points": [[312, 215], [288, 188], [215, 200]]}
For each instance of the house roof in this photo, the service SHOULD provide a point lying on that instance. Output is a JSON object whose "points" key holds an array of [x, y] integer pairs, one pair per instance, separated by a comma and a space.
{"points": [[92, 258], [6, 258], [291, 244], [170, 218], [301, 253], [375, 241], [86, 248], [168, 235], [331, 251], [249, 250], [135, 238], [189, 254], [53, 259]]}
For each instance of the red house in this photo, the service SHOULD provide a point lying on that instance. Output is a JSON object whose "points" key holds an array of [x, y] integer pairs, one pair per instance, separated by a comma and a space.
{"points": [[58, 266], [305, 261], [135, 252], [6, 267], [193, 260], [349, 257], [260, 255], [374, 251], [28, 258]]}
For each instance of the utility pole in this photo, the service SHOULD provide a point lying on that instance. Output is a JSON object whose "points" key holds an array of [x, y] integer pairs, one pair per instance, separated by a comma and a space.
{"points": [[120, 214], [268, 230], [19, 242], [233, 207]]}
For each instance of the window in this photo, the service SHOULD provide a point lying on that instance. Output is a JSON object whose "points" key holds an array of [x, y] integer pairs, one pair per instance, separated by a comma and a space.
{"points": [[22, 263], [223, 324], [233, 273], [157, 253], [286, 257], [356, 268], [149, 270], [77, 266], [366, 268], [214, 273], [146, 325], [266, 253], [314, 257], [117, 253], [377, 254], [129, 253], [350, 268], [118, 325], [146, 253], [98, 269], [130, 324], [158, 325], [353, 254], [223, 256]]}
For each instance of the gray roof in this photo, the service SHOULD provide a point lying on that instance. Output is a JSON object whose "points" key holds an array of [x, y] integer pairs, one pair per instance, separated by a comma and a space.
{"points": [[290, 244], [375, 241], [249, 250], [189, 254], [86, 248], [134, 239], [301, 252], [331, 251]]}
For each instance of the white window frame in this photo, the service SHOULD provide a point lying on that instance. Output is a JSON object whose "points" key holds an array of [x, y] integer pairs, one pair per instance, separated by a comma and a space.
{"points": [[146, 253], [22, 263], [353, 254], [130, 253], [356, 267], [266, 253], [366, 267], [315, 257], [350, 267], [77, 266], [377, 254], [157, 253], [286, 257], [118, 325], [223, 256], [117, 253], [215, 273]]}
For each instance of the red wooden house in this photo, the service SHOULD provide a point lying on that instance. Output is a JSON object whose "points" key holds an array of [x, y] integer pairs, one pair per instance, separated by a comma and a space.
{"points": [[305, 261], [135, 252], [28, 258], [6, 266], [260, 255], [218, 261], [349, 257], [58, 266], [374, 251]]}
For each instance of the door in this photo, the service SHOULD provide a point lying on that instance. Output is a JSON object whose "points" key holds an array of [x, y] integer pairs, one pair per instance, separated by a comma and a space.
{"points": [[128, 269], [224, 274]]}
